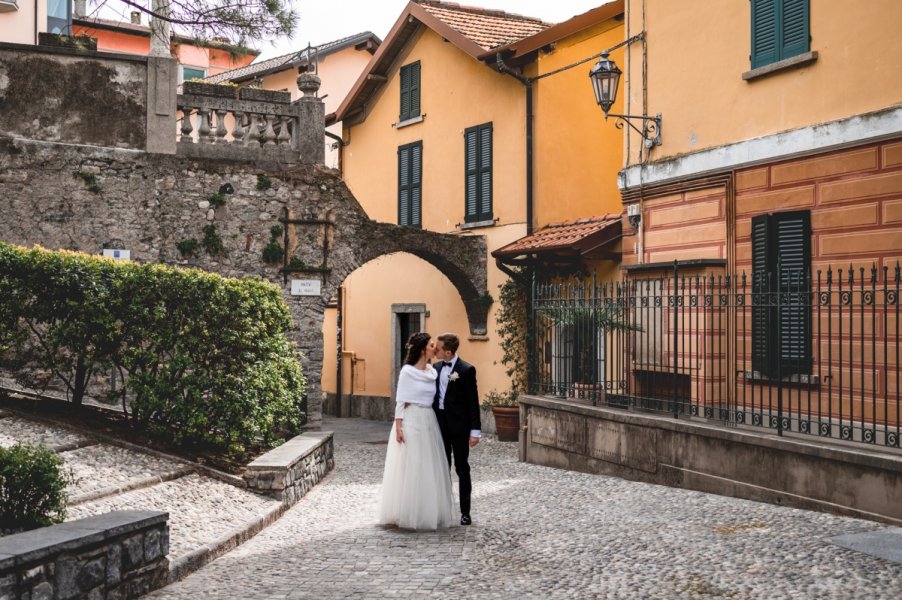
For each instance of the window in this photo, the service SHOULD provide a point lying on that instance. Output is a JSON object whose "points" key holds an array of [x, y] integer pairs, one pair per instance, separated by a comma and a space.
{"points": [[478, 163], [781, 318], [779, 30], [189, 73], [410, 91], [59, 17], [410, 184]]}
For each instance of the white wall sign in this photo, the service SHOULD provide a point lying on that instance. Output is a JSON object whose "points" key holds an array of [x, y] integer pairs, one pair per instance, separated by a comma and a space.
{"points": [[117, 254], [306, 287]]}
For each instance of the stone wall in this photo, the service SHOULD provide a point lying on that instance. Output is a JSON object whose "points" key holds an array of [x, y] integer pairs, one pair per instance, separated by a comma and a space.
{"points": [[148, 203], [116, 555], [291, 470], [54, 94]]}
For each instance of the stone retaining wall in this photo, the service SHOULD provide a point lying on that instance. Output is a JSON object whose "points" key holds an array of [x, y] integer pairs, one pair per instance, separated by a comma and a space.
{"points": [[291, 470], [692, 454], [116, 555]]}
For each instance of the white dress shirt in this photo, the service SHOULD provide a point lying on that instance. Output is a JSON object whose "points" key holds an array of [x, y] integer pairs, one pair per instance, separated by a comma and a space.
{"points": [[443, 388]]}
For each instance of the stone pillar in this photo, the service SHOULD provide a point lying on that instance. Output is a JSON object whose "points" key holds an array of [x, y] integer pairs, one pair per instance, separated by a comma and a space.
{"points": [[161, 105], [159, 30], [311, 120]]}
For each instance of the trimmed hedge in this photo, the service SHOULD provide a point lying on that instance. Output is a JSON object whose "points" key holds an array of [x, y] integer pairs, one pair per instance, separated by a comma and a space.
{"points": [[33, 484], [205, 359]]}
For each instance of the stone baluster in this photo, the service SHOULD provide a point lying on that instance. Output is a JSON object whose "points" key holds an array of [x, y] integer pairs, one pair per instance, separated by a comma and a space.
{"points": [[253, 132], [186, 125], [221, 130], [238, 127], [269, 134], [284, 137], [203, 126]]}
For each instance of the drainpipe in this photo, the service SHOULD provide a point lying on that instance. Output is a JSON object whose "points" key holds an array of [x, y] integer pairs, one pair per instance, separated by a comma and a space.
{"points": [[341, 144], [527, 83], [338, 352]]}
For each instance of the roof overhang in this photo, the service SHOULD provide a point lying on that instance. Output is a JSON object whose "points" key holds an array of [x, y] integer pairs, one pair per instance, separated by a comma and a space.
{"points": [[565, 244]]}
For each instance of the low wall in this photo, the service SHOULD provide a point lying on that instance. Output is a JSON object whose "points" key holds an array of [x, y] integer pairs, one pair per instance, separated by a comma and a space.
{"points": [[291, 470], [116, 555], [692, 454]]}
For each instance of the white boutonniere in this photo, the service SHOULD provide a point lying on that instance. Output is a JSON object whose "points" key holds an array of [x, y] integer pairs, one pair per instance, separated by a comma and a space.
{"points": [[453, 376]]}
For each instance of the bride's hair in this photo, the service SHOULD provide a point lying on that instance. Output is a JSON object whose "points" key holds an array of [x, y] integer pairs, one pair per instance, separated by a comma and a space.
{"points": [[415, 347]]}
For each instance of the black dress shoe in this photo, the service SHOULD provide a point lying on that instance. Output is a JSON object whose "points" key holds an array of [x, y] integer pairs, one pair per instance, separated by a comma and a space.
{"points": [[465, 519]]}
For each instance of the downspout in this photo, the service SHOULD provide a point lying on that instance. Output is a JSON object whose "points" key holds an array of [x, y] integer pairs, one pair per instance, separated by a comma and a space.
{"points": [[527, 83], [341, 144], [340, 349]]}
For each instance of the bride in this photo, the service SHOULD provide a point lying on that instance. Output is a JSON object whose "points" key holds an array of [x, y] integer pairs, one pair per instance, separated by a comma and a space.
{"points": [[416, 484]]}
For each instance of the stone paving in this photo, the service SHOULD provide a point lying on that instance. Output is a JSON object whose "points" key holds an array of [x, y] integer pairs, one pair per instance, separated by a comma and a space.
{"points": [[541, 533]]}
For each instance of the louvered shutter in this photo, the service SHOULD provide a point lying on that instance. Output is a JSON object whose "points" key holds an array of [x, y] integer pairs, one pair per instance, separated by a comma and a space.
{"points": [[410, 91], [791, 232], [471, 158], [763, 317], [404, 185], [416, 185], [764, 32], [484, 212], [405, 93], [794, 37]]}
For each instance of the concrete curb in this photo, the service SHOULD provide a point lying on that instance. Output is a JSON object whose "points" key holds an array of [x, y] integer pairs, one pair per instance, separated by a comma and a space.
{"points": [[181, 567], [73, 446], [135, 484]]}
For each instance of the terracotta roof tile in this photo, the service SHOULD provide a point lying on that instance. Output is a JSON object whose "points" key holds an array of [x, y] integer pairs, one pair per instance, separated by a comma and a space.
{"points": [[565, 235], [487, 28]]}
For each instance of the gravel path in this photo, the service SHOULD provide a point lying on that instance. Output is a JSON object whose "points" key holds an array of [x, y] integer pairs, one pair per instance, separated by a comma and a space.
{"points": [[542, 533], [102, 465], [201, 509], [14, 429]]}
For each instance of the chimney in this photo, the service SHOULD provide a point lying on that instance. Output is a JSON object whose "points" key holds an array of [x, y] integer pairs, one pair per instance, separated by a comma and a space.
{"points": [[136, 17]]}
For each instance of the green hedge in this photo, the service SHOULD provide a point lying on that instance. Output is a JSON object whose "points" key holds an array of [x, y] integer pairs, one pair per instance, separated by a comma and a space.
{"points": [[32, 488], [205, 359]]}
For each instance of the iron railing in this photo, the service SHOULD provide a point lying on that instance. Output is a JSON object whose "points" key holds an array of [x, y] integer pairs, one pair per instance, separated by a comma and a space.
{"points": [[807, 353]]}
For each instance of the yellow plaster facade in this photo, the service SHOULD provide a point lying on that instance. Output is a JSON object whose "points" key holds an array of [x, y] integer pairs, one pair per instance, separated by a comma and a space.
{"points": [[22, 26], [696, 57]]}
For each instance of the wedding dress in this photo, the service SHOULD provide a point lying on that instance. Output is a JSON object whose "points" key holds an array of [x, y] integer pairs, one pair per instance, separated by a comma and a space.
{"points": [[416, 483]]}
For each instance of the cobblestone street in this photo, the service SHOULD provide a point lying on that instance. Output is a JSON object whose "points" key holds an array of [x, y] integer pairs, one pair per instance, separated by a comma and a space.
{"points": [[541, 533]]}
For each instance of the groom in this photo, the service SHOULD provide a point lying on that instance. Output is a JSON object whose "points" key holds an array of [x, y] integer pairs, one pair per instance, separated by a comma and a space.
{"points": [[456, 405]]}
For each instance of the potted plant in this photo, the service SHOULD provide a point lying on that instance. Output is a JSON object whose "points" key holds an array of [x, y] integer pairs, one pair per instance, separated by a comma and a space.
{"points": [[506, 411]]}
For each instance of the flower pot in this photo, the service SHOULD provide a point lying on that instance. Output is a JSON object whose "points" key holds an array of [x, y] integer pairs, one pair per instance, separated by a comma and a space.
{"points": [[507, 423], [209, 89], [261, 95]]}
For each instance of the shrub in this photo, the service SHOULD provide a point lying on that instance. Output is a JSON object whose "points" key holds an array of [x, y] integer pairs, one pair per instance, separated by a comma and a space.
{"points": [[212, 242], [217, 199], [33, 484], [188, 247], [205, 359]]}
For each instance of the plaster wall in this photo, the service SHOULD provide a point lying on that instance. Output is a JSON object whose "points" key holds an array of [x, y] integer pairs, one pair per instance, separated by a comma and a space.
{"points": [[23, 25]]}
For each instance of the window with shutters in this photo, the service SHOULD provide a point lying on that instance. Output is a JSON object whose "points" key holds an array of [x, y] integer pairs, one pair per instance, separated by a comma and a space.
{"points": [[478, 165], [780, 30], [781, 285], [410, 91], [410, 185]]}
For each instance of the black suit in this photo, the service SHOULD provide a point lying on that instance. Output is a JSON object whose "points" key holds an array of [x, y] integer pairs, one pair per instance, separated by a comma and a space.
{"points": [[456, 420]]}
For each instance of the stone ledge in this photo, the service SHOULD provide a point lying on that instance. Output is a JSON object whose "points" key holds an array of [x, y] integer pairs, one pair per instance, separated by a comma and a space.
{"points": [[291, 452], [288, 472]]}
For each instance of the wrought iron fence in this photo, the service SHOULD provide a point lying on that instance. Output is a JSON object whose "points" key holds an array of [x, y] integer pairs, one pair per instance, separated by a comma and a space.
{"points": [[812, 353]]}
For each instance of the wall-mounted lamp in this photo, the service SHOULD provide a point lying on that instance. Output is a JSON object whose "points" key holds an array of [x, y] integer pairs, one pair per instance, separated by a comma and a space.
{"points": [[605, 76]]}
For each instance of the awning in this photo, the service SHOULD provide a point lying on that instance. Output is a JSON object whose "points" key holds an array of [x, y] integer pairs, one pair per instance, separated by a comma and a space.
{"points": [[567, 242]]}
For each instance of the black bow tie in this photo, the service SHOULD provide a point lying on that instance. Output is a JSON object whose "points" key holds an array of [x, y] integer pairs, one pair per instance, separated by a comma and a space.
{"points": [[442, 364]]}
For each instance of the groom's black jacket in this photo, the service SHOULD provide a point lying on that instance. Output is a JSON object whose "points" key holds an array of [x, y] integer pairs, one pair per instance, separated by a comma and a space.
{"points": [[461, 399]]}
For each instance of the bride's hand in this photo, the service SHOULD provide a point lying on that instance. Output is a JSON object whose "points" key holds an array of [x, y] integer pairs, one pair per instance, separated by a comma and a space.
{"points": [[399, 434]]}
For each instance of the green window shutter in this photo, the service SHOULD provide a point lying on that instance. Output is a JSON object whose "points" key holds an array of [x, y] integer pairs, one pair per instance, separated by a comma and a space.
{"points": [[780, 30], [410, 185], [485, 173], [762, 284], [410, 91], [791, 233], [794, 21], [478, 167]]}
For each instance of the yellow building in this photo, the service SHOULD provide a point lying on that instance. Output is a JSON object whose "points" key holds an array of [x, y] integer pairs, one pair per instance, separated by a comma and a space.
{"points": [[451, 128], [337, 63]]}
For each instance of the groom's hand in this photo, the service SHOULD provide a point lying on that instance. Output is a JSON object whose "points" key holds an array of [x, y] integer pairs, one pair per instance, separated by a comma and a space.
{"points": [[473, 441]]}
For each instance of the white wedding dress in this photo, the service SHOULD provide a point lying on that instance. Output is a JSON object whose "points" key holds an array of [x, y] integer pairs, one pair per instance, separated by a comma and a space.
{"points": [[416, 483]]}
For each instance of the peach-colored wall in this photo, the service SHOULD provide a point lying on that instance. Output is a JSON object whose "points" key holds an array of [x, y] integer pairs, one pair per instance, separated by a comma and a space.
{"points": [[457, 92], [18, 26], [697, 55], [115, 41], [577, 153]]}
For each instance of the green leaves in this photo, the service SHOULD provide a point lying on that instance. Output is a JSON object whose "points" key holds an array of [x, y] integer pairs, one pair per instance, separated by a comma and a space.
{"points": [[205, 359], [33, 484]]}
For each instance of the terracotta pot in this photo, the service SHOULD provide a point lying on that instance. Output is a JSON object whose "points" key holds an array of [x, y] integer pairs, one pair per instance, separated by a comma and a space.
{"points": [[507, 423]]}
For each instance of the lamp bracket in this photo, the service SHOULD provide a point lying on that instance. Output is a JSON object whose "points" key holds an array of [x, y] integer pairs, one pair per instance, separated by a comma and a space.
{"points": [[651, 127]]}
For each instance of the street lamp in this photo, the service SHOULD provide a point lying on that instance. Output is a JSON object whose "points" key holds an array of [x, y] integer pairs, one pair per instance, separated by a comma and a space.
{"points": [[605, 76]]}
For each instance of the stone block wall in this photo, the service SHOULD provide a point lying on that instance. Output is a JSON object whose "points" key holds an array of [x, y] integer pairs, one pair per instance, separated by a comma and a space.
{"points": [[291, 470], [116, 555]]}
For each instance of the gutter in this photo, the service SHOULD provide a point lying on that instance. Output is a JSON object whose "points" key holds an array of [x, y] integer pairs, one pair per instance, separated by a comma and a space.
{"points": [[341, 144], [527, 84]]}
